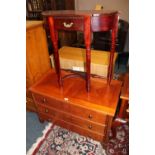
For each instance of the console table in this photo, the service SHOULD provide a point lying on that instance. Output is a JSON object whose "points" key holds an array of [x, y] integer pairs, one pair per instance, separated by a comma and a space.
{"points": [[87, 22]]}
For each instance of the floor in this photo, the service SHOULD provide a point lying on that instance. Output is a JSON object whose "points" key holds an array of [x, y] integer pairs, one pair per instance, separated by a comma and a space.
{"points": [[34, 128]]}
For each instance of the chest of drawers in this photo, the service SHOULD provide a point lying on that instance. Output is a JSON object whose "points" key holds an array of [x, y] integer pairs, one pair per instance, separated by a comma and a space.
{"points": [[72, 107]]}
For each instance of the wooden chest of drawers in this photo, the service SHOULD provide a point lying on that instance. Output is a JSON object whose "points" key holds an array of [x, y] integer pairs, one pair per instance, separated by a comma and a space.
{"points": [[72, 107]]}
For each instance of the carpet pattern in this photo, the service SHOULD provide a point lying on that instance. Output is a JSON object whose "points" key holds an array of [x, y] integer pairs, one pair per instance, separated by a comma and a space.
{"points": [[60, 141]]}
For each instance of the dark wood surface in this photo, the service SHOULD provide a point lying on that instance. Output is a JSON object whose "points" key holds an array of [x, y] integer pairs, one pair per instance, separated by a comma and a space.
{"points": [[86, 21], [78, 12], [73, 108]]}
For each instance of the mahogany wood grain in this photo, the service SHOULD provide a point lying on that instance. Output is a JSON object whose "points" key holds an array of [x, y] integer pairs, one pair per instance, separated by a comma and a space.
{"points": [[88, 22], [87, 37]]}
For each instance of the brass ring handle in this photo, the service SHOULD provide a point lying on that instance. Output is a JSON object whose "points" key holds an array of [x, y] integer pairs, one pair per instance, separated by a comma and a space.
{"points": [[67, 25]]}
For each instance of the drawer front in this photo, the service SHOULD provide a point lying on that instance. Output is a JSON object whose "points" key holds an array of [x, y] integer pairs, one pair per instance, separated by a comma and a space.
{"points": [[69, 23], [102, 23], [82, 112], [74, 128], [89, 125]]}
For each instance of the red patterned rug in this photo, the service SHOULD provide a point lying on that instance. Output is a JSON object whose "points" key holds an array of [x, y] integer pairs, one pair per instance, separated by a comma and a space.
{"points": [[59, 141]]}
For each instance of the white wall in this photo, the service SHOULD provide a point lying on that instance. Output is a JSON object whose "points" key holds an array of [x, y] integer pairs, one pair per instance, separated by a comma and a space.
{"points": [[120, 5]]}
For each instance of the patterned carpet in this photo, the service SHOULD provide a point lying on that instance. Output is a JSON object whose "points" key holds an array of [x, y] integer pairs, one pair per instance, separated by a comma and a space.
{"points": [[59, 141]]}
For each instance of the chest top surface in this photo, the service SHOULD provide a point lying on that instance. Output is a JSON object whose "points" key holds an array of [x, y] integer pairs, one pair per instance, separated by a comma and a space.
{"points": [[102, 97]]}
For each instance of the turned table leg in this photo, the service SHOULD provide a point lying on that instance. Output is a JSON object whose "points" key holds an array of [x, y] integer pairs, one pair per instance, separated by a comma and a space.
{"points": [[87, 38], [54, 38]]}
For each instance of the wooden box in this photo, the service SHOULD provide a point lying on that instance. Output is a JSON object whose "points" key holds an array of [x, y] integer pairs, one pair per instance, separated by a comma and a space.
{"points": [[74, 59]]}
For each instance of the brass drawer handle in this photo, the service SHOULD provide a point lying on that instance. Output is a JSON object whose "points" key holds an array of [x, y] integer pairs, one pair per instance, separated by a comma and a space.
{"points": [[67, 25], [90, 116], [90, 126], [46, 110]]}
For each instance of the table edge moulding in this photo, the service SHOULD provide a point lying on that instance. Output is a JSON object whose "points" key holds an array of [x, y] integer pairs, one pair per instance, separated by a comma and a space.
{"points": [[87, 22]]}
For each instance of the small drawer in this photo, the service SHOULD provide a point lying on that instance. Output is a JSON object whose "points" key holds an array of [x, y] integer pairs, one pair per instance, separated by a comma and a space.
{"points": [[88, 114], [102, 23], [69, 23]]}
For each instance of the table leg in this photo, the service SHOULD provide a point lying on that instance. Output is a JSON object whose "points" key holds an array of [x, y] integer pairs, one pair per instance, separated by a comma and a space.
{"points": [[110, 67], [54, 38], [87, 38]]}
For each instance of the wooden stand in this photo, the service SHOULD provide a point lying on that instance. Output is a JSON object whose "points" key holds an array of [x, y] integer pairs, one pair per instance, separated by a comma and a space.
{"points": [[87, 22]]}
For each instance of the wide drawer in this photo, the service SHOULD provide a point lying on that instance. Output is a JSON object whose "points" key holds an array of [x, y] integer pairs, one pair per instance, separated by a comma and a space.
{"points": [[69, 23], [59, 114], [83, 112], [74, 128]]}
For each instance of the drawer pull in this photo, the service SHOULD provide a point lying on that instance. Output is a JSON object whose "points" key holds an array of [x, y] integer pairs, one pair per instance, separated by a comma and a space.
{"points": [[90, 116], [90, 126], [46, 110], [67, 25]]}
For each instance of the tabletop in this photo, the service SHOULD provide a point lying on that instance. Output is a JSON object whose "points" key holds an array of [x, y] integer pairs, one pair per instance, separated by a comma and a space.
{"points": [[78, 12]]}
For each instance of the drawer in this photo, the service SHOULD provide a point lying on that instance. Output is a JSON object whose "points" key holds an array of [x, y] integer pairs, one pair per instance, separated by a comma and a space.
{"points": [[102, 23], [76, 110], [69, 23], [74, 128], [89, 125]]}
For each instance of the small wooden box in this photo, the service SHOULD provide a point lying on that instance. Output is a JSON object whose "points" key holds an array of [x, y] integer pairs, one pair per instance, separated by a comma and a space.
{"points": [[74, 59]]}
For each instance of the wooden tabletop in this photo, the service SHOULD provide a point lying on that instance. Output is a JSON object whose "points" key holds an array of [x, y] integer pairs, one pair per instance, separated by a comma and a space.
{"points": [[125, 88], [77, 12], [102, 97]]}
